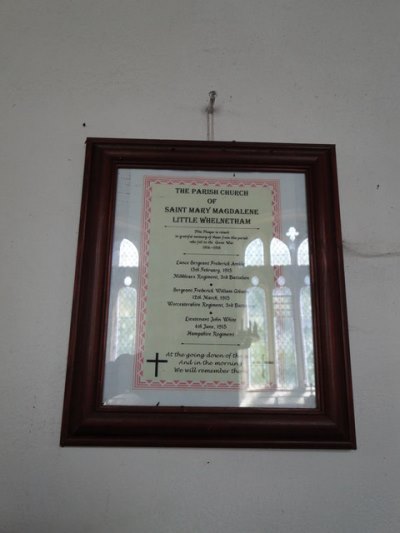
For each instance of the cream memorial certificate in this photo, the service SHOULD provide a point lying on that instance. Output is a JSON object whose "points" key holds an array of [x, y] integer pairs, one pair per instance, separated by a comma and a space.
{"points": [[192, 308]]}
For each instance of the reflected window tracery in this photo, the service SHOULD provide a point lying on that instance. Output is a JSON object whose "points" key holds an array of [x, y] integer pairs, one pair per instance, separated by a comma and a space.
{"points": [[125, 302], [285, 347], [258, 356], [280, 253], [303, 253], [126, 321], [285, 336], [292, 233], [128, 254], [254, 254], [307, 333]]}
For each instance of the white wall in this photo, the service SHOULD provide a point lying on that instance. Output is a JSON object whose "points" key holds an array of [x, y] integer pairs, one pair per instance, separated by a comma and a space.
{"points": [[285, 70]]}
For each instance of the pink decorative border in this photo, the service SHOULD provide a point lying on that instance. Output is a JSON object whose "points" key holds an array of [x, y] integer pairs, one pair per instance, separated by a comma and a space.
{"points": [[139, 382]]}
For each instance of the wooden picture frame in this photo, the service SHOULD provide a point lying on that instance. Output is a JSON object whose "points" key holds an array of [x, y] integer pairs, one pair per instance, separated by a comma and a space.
{"points": [[89, 418]]}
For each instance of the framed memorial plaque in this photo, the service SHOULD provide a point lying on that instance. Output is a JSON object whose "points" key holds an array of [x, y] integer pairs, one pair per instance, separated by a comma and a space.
{"points": [[209, 303]]}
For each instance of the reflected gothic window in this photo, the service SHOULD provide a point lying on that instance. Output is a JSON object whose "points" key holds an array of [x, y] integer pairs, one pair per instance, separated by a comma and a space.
{"points": [[285, 346], [126, 303], [280, 254], [254, 254], [307, 334], [128, 254], [259, 367], [303, 253], [281, 352], [126, 320]]}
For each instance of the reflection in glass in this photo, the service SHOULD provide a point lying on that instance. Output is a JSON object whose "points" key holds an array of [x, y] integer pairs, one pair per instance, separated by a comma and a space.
{"points": [[254, 255], [281, 355], [123, 302], [276, 358], [280, 254], [292, 233], [128, 254], [303, 254], [285, 347], [307, 336], [258, 351], [126, 321]]}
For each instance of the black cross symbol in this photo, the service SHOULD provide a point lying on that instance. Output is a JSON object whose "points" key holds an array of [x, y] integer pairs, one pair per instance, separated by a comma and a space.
{"points": [[156, 361]]}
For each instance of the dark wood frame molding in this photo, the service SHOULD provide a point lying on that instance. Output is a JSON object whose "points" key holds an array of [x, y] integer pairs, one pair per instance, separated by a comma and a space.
{"points": [[86, 422]]}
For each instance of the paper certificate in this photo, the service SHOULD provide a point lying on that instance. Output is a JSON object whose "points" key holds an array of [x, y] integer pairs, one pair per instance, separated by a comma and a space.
{"points": [[193, 325]]}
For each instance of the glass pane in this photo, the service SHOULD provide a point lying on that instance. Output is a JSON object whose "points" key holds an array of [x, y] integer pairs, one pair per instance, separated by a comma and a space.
{"points": [[209, 304]]}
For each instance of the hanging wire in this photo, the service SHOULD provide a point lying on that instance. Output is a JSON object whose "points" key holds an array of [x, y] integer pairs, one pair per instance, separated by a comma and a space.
{"points": [[210, 115]]}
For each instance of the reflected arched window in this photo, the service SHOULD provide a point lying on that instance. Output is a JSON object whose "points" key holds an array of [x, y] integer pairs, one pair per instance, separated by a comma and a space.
{"points": [[259, 366], [254, 254], [307, 334], [126, 321], [303, 253], [280, 254], [285, 345], [126, 301], [128, 254]]}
